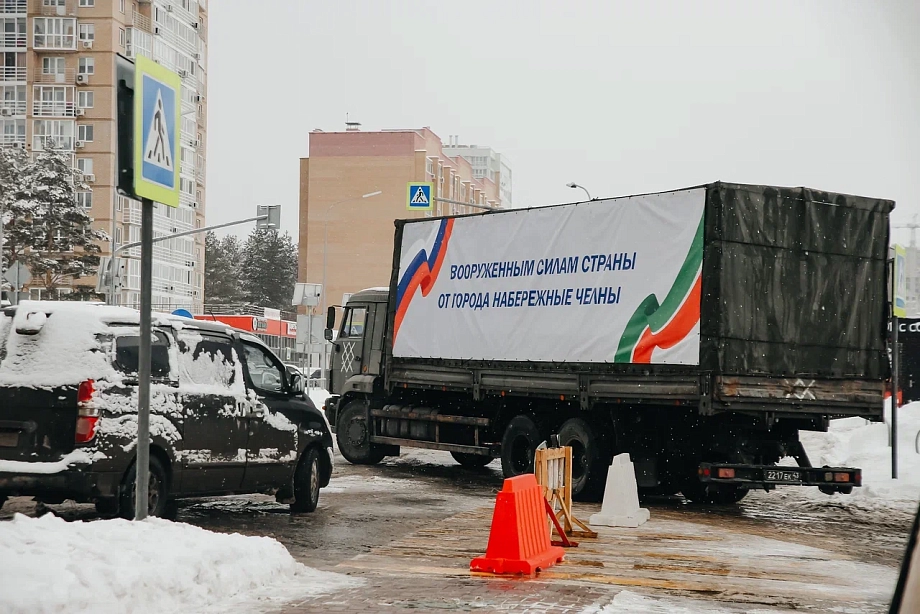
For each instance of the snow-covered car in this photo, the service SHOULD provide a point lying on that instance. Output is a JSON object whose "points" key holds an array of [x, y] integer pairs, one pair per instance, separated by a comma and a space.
{"points": [[226, 417]]}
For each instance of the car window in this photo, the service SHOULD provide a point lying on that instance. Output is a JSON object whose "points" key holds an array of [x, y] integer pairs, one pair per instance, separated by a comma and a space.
{"points": [[353, 322], [127, 348], [264, 371], [206, 359]]}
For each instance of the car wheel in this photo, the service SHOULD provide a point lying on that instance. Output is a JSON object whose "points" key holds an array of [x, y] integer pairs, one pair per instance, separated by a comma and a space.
{"points": [[157, 490], [519, 443], [589, 471], [471, 461], [306, 483], [353, 436]]}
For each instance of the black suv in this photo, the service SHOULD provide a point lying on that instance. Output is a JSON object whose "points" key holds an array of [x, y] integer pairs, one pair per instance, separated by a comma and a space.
{"points": [[226, 417]]}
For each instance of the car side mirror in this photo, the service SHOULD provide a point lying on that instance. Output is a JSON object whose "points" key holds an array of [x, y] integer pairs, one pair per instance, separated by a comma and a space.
{"points": [[330, 318], [327, 334], [296, 384]]}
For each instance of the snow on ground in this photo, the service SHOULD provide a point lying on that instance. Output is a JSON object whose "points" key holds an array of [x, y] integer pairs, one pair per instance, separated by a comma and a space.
{"points": [[50, 565], [855, 442]]}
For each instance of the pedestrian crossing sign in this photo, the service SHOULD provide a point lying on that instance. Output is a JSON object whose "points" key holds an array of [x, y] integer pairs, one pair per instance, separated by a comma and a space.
{"points": [[156, 132], [418, 196]]}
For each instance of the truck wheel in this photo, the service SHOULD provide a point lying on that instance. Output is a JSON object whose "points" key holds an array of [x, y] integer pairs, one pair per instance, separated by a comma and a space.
{"points": [[588, 469], [306, 483], [471, 461], [519, 444], [353, 436], [157, 490]]}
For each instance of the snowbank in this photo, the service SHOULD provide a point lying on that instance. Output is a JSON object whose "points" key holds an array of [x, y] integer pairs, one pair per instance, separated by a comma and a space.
{"points": [[854, 442], [49, 565]]}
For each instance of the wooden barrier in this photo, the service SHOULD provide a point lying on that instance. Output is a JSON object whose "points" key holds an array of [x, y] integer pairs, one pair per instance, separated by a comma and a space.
{"points": [[553, 470]]}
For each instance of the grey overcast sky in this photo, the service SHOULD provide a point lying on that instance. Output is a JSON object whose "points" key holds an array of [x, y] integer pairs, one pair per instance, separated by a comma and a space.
{"points": [[623, 97]]}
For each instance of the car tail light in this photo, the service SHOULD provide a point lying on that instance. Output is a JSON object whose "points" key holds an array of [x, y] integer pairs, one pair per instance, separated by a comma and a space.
{"points": [[726, 473], [841, 477], [85, 392], [704, 471], [87, 415]]}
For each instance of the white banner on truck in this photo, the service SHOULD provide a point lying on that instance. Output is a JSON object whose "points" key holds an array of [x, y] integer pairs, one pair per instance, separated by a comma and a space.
{"points": [[613, 280]]}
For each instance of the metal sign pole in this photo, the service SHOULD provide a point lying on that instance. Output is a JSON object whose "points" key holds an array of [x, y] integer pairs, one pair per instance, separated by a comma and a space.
{"points": [[895, 366], [143, 362]]}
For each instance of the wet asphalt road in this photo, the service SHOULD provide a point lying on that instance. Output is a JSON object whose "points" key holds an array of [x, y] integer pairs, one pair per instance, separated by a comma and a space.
{"points": [[365, 507]]}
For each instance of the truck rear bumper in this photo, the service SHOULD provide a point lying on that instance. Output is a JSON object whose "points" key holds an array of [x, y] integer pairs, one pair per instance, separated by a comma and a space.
{"points": [[836, 479], [81, 486]]}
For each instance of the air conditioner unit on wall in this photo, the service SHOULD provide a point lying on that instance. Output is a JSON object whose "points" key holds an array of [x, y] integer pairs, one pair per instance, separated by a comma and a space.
{"points": [[82, 79], [80, 112], [80, 144], [89, 178], [182, 73], [6, 111], [87, 44]]}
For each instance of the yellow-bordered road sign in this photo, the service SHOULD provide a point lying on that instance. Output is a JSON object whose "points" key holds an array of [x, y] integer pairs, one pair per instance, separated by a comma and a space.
{"points": [[156, 132]]}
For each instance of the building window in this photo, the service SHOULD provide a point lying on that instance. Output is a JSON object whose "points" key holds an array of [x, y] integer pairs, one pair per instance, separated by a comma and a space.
{"points": [[87, 3], [85, 165], [87, 32], [52, 131], [85, 132], [118, 235], [85, 99], [85, 199], [86, 66], [121, 5], [53, 66], [54, 33], [122, 37]]}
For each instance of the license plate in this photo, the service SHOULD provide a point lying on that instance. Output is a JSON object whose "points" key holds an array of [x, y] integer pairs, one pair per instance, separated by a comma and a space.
{"points": [[9, 440], [775, 475]]}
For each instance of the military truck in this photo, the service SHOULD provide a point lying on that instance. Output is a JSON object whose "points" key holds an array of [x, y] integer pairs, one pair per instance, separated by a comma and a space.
{"points": [[699, 330]]}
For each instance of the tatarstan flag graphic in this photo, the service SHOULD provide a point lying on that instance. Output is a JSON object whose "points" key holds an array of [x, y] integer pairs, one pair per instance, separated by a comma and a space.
{"points": [[664, 325]]}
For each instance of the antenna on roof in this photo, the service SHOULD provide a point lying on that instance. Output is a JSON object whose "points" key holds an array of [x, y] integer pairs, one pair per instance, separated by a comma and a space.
{"points": [[351, 126]]}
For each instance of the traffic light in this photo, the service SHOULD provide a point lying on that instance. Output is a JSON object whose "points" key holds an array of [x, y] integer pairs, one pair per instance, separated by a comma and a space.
{"points": [[124, 83]]}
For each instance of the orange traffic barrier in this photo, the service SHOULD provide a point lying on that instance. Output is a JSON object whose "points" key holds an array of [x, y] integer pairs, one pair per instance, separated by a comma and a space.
{"points": [[519, 541]]}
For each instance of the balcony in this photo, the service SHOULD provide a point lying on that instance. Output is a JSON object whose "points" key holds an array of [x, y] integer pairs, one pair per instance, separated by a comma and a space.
{"points": [[140, 21], [55, 42], [55, 8], [13, 40], [61, 142], [68, 77], [12, 107], [14, 7], [53, 109], [17, 140], [12, 73], [139, 42]]}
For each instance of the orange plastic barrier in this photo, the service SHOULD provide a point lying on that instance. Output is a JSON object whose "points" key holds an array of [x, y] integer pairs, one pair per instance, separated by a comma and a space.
{"points": [[519, 541]]}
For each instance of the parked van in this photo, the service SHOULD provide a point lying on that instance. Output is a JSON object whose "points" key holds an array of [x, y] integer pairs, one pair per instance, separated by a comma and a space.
{"points": [[226, 417]]}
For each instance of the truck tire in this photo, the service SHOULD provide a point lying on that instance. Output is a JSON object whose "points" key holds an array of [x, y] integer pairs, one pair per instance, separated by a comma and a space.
{"points": [[589, 471], [519, 443], [157, 490], [471, 461], [352, 433]]}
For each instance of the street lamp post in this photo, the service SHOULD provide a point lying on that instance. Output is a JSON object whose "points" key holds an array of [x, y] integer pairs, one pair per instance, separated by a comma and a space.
{"points": [[574, 185], [326, 237]]}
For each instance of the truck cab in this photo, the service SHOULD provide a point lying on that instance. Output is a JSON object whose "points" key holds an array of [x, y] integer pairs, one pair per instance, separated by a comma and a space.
{"points": [[356, 361]]}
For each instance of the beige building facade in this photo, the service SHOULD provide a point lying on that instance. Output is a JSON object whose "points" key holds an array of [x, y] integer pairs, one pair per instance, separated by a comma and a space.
{"points": [[348, 239], [57, 75]]}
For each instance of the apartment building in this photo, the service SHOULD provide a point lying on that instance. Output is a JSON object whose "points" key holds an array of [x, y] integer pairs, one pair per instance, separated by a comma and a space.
{"points": [[57, 74], [349, 239], [487, 164]]}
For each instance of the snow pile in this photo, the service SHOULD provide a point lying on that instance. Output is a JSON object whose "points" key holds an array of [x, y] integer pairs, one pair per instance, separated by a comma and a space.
{"points": [[855, 442], [49, 565]]}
